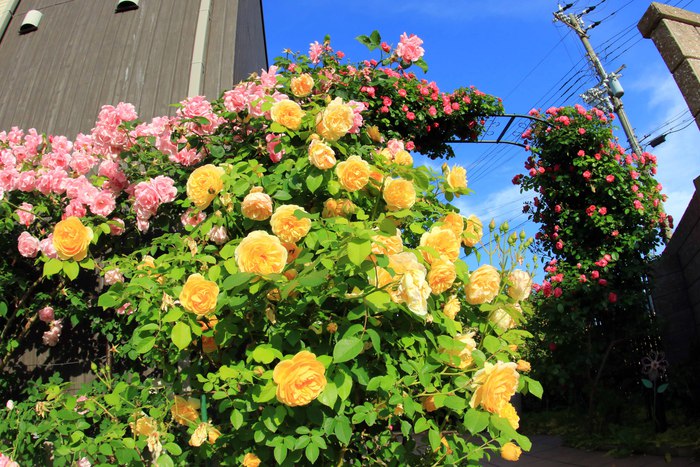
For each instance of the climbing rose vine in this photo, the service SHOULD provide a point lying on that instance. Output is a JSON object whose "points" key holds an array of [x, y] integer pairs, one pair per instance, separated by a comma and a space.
{"points": [[601, 217], [266, 277]]}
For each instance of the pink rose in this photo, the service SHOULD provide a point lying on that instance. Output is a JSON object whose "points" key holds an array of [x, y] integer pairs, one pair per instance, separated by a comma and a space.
{"points": [[24, 212], [409, 48], [188, 218], [612, 297], [165, 186], [27, 245], [113, 276], [26, 181], [51, 336], [125, 309], [46, 314], [610, 178], [218, 235], [116, 226], [75, 208], [103, 204], [587, 175], [47, 248], [315, 50]]}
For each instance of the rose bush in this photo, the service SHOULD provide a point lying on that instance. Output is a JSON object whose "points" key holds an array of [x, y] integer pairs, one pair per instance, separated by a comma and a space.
{"points": [[253, 305], [601, 217]]}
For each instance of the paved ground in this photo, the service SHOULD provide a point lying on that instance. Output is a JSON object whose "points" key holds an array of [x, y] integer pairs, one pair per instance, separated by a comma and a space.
{"points": [[547, 451]]}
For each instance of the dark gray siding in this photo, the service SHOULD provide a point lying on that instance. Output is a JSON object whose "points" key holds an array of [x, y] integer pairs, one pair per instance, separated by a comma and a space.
{"points": [[85, 55]]}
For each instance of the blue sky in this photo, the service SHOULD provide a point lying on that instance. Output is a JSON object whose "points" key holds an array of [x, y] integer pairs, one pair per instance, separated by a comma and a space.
{"points": [[514, 50]]}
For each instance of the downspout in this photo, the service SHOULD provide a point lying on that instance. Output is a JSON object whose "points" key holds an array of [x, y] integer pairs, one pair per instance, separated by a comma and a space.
{"points": [[7, 10], [199, 50]]}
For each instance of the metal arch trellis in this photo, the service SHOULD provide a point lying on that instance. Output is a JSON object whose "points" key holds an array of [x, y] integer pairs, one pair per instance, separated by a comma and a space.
{"points": [[516, 123]]}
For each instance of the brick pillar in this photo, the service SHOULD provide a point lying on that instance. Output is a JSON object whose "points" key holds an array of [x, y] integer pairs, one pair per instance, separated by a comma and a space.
{"points": [[676, 33]]}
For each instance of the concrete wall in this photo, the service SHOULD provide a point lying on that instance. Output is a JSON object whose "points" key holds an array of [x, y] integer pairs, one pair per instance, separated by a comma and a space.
{"points": [[676, 286], [676, 33]]}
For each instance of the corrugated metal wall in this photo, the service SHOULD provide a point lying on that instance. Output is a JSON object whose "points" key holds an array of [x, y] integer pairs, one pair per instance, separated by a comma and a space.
{"points": [[85, 55]]}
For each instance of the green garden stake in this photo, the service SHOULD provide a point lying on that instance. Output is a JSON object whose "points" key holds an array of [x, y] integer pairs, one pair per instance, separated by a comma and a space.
{"points": [[204, 407]]}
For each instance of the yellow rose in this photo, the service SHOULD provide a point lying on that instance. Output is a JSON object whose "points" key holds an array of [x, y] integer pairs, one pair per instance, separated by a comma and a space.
{"points": [[374, 134], [509, 413], [412, 288], [302, 85], [287, 113], [456, 177], [519, 285], [199, 295], [287, 226], [402, 157], [523, 366], [443, 241], [299, 380], [251, 460], [399, 194], [204, 184], [442, 275], [335, 120], [465, 354], [511, 452], [387, 244], [257, 205], [353, 173], [501, 319], [71, 239], [473, 231], [261, 253], [185, 412], [205, 432], [494, 385], [452, 307], [144, 426], [321, 155], [483, 285], [454, 222]]}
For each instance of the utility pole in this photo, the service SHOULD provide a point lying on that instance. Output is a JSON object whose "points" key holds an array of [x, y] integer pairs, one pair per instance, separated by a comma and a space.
{"points": [[610, 82]]}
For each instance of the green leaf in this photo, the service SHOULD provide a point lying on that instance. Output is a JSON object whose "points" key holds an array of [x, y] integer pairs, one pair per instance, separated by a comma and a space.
{"points": [[164, 461], [662, 388], [535, 388], [264, 354], [236, 419], [421, 425], [492, 344], [311, 452], [145, 344], [171, 316], [313, 182], [329, 395], [647, 384], [280, 453], [173, 449], [107, 300], [420, 63], [476, 421], [343, 430], [71, 269], [343, 382], [52, 266], [181, 335], [347, 349], [235, 280], [359, 250]]}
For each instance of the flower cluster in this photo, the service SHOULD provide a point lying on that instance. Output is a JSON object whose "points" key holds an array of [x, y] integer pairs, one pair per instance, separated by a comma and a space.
{"points": [[281, 241]]}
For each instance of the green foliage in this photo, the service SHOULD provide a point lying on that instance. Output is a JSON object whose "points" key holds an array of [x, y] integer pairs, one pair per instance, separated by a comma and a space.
{"points": [[601, 217]]}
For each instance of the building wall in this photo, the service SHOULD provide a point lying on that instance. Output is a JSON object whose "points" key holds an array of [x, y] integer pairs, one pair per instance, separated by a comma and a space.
{"points": [[676, 286], [676, 275], [85, 55]]}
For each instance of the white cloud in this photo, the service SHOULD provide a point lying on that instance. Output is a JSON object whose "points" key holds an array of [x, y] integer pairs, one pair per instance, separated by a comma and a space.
{"points": [[678, 157]]}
